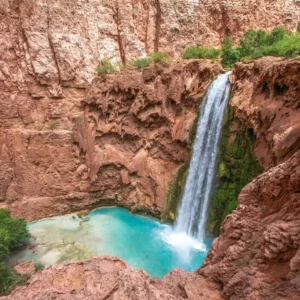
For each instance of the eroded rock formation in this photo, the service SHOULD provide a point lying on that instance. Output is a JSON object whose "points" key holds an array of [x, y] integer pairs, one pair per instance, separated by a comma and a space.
{"points": [[257, 253], [111, 278], [120, 142], [261, 128], [266, 96]]}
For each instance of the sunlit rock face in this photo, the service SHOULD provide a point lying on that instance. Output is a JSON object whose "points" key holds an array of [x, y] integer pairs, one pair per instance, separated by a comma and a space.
{"points": [[61, 43], [48, 56]]}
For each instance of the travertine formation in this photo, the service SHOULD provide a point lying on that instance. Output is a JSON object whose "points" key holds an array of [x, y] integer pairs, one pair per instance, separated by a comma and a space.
{"points": [[119, 142], [257, 253], [111, 278]]}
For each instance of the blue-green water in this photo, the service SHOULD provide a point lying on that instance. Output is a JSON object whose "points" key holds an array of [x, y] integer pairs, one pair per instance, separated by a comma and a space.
{"points": [[143, 242]]}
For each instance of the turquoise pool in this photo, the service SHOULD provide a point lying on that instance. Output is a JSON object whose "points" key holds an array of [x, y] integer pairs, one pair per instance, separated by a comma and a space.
{"points": [[141, 241]]}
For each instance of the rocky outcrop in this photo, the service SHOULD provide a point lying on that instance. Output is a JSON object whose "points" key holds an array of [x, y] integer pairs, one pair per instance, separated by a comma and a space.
{"points": [[218, 18], [111, 278], [118, 143], [256, 255], [266, 98]]}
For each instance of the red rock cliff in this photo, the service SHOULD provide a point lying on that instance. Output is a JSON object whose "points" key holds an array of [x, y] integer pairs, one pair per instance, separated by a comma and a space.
{"points": [[119, 142], [60, 43]]}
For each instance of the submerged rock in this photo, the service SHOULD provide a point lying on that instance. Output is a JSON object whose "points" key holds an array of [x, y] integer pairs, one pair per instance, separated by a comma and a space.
{"points": [[25, 268]]}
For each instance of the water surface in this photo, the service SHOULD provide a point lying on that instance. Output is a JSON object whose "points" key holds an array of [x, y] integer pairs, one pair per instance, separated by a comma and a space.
{"points": [[143, 242]]}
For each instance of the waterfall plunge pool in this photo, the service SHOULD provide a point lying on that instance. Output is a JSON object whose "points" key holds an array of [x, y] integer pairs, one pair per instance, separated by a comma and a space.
{"points": [[141, 241]]}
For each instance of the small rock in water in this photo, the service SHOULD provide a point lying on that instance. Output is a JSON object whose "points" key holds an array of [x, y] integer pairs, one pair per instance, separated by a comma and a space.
{"points": [[25, 268]]}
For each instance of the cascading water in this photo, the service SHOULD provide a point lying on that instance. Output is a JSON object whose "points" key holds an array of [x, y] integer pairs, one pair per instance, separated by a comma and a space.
{"points": [[192, 213]]}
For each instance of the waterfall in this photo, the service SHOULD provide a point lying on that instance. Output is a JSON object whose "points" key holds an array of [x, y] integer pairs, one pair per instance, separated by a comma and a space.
{"points": [[192, 213]]}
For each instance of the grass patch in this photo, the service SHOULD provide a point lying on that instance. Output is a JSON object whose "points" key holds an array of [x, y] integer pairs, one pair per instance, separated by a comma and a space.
{"points": [[106, 67], [156, 57], [38, 267], [141, 63]]}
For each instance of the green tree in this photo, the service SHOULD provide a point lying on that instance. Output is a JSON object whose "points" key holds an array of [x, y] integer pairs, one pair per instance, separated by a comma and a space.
{"points": [[276, 35], [229, 55]]}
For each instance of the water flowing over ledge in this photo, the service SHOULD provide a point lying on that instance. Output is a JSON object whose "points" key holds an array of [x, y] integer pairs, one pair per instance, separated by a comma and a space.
{"points": [[192, 214]]}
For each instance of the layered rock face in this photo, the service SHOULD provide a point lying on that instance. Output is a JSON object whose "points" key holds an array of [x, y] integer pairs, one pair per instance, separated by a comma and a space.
{"points": [[218, 18], [257, 254], [120, 142], [111, 278]]}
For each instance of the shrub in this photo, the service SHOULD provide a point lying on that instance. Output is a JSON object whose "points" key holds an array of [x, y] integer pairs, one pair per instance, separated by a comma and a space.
{"points": [[106, 67], [13, 233], [229, 55], [288, 47], [276, 35], [141, 63], [201, 52], [156, 57], [162, 57]]}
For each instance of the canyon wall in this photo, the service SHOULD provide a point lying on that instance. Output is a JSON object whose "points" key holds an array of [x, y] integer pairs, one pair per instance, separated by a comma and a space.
{"points": [[60, 43], [119, 142], [48, 56]]}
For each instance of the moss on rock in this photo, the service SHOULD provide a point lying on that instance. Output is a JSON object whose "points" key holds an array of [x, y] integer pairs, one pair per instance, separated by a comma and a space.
{"points": [[174, 194], [237, 165]]}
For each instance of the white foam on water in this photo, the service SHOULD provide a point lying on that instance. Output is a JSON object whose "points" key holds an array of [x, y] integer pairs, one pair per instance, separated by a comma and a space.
{"points": [[182, 243]]}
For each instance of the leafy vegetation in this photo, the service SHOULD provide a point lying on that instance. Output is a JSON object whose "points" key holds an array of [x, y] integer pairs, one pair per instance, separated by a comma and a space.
{"points": [[13, 233], [237, 166], [160, 56], [106, 67], [141, 63], [229, 55], [157, 57], [253, 45], [201, 52], [38, 267]]}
